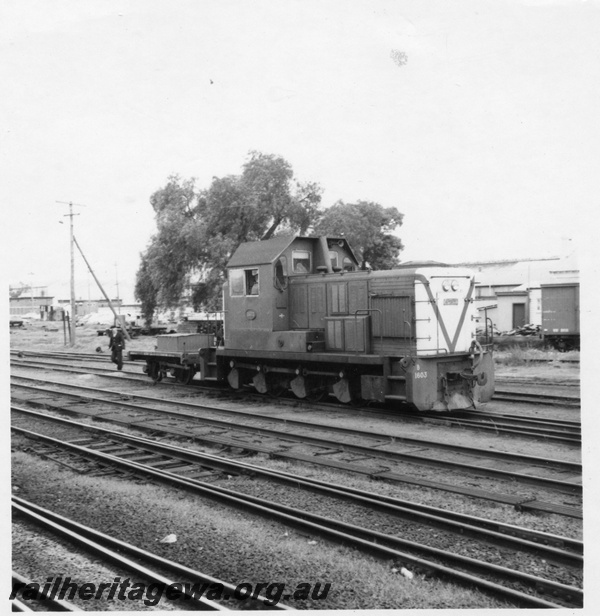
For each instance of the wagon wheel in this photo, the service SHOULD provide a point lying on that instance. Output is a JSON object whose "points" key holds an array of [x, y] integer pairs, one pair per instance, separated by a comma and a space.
{"points": [[154, 371], [561, 346], [184, 375], [316, 390]]}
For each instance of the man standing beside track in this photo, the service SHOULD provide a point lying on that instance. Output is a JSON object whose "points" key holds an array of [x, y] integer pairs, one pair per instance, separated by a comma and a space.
{"points": [[117, 344]]}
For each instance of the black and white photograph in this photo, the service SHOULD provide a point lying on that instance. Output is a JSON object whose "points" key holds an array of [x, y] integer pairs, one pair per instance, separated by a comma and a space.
{"points": [[301, 305]]}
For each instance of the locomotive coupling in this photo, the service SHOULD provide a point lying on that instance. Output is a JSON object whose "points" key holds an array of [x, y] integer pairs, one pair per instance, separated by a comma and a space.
{"points": [[475, 379]]}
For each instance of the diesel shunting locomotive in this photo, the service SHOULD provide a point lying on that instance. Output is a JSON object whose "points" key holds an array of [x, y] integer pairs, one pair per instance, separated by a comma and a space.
{"points": [[300, 315]]}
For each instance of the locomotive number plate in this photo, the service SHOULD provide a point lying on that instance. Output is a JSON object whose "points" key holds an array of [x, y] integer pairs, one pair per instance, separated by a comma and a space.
{"points": [[451, 301]]}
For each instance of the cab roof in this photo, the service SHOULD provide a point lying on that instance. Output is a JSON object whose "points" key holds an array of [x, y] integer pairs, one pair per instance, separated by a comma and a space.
{"points": [[258, 253], [267, 251]]}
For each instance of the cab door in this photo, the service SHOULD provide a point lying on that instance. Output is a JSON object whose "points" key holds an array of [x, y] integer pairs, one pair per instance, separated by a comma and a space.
{"points": [[299, 306]]}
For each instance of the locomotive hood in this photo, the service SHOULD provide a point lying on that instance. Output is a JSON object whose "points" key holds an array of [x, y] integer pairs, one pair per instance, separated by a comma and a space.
{"points": [[445, 313]]}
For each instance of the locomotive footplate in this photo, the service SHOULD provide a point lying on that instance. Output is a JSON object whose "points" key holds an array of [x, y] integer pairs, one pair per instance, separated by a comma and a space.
{"points": [[329, 358], [161, 356]]}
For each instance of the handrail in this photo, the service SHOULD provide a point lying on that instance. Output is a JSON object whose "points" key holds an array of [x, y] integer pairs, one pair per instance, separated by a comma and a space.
{"points": [[489, 338]]}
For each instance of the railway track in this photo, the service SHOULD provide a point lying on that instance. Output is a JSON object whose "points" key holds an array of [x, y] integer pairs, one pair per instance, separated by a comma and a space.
{"points": [[564, 431], [140, 564], [536, 398], [42, 603], [172, 465], [281, 429], [500, 423], [334, 446], [199, 464]]}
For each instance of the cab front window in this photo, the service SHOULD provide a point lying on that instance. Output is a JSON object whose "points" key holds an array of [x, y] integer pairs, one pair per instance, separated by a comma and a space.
{"points": [[333, 257], [301, 261]]}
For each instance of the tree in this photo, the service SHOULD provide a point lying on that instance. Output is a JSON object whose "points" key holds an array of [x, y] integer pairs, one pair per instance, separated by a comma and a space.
{"points": [[145, 291], [267, 181], [368, 228], [170, 253], [197, 232]]}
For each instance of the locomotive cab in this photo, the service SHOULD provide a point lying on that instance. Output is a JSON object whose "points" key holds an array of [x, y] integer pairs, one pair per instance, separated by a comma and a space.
{"points": [[264, 309]]}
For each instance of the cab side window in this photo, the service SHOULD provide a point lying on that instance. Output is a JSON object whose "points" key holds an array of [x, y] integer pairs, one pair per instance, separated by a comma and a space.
{"points": [[243, 282], [236, 283]]}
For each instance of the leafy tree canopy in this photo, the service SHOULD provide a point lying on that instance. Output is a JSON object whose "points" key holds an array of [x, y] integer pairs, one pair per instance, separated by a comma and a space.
{"points": [[368, 228], [197, 231]]}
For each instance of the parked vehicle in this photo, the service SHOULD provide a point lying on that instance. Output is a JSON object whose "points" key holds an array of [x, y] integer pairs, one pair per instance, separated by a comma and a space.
{"points": [[560, 315]]}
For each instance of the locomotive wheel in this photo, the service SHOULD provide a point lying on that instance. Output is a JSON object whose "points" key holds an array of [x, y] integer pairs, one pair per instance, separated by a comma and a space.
{"points": [[184, 375]]}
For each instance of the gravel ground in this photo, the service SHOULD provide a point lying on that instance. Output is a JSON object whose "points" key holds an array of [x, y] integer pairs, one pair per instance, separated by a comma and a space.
{"points": [[361, 516], [231, 545]]}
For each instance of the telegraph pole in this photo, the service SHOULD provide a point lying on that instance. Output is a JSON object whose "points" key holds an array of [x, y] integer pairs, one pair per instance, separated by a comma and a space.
{"points": [[73, 304]]}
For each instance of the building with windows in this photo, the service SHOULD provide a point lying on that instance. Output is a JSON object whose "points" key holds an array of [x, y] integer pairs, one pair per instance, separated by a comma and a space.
{"points": [[36, 306], [509, 291]]}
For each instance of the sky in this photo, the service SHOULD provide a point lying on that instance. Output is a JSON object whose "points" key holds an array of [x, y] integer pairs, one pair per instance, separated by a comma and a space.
{"points": [[486, 139]]}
